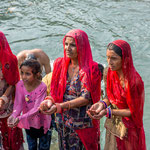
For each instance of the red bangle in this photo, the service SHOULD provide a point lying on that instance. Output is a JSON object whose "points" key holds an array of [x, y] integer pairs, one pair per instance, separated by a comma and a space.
{"points": [[50, 98], [59, 109]]}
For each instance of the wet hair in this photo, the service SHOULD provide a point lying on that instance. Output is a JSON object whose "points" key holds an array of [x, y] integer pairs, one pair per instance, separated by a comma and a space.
{"points": [[31, 56], [32, 63], [115, 48]]}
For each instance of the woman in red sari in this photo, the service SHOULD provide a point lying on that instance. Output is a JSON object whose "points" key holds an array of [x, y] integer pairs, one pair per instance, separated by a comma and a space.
{"points": [[75, 87], [125, 95], [12, 139]]}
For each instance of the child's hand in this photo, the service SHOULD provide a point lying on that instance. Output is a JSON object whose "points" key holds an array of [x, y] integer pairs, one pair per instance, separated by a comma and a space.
{"points": [[12, 122], [51, 110]]}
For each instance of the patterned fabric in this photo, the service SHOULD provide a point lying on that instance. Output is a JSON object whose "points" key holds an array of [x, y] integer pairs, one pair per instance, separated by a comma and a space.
{"points": [[8, 107], [12, 138], [69, 139], [75, 118]]}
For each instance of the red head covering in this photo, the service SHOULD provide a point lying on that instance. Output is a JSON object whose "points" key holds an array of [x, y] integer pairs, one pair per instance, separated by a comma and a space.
{"points": [[90, 76], [8, 61], [88, 69], [133, 95]]}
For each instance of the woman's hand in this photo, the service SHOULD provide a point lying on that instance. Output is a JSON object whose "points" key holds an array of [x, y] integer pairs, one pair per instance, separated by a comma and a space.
{"points": [[46, 107], [12, 122], [51, 110], [97, 111]]}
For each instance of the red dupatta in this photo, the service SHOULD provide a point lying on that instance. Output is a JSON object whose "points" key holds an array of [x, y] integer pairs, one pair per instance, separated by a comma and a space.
{"points": [[90, 76], [9, 62], [134, 97]]}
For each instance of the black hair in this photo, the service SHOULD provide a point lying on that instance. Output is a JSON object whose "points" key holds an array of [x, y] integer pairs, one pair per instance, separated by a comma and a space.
{"points": [[32, 63], [115, 48]]}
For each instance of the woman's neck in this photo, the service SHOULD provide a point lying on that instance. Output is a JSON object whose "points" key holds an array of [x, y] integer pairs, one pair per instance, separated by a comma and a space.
{"points": [[120, 74], [74, 63], [121, 78]]}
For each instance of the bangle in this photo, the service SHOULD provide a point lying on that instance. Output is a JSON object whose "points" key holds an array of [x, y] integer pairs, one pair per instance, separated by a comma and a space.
{"points": [[50, 98], [58, 108], [4, 98], [109, 114], [104, 103]]}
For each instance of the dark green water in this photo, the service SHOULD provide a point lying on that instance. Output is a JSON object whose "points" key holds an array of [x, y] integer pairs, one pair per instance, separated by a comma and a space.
{"points": [[42, 24]]}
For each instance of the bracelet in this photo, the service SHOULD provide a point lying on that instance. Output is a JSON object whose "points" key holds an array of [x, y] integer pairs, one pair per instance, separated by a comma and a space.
{"points": [[105, 105], [4, 98], [50, 98], [59, 109], [109, 113]]}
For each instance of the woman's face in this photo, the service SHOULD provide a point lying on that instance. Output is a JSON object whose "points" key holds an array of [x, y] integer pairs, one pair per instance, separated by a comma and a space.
{"points": [[114, 60], [70, 48]]}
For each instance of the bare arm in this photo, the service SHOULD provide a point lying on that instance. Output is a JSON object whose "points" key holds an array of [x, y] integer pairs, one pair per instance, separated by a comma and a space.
{"points": [[45, 61], [47, 107], [47, 67], [78, 102]]}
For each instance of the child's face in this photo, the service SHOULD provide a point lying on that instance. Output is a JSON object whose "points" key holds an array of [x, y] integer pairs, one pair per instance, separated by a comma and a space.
{"points": [[26, 74]]}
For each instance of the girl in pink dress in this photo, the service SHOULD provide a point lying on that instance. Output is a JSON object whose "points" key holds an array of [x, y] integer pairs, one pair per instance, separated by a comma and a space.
{"points": [[30, 92]]}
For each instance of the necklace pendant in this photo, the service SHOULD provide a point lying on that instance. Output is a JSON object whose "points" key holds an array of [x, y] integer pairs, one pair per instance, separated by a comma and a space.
{"points": [[26, 98]]}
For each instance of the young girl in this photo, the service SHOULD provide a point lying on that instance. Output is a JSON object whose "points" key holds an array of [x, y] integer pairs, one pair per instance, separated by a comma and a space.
{"points": [[30, 92], [12, 139]]}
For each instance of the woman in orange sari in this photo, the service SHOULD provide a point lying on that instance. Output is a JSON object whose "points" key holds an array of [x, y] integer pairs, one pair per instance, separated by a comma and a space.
{"points": [[75, 87], [125, 96]]}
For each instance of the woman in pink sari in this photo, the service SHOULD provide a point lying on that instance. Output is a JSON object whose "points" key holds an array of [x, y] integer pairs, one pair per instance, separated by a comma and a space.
{"points": [[125, 95], [75, 87]]}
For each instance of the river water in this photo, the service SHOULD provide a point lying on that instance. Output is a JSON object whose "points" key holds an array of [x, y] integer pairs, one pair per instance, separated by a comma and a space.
{"points": [[30, 24]]}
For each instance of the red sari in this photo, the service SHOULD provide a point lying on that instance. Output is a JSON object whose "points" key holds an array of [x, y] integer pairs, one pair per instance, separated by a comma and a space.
{"points": [[12, 138], [132, 97], [90, 77]]}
